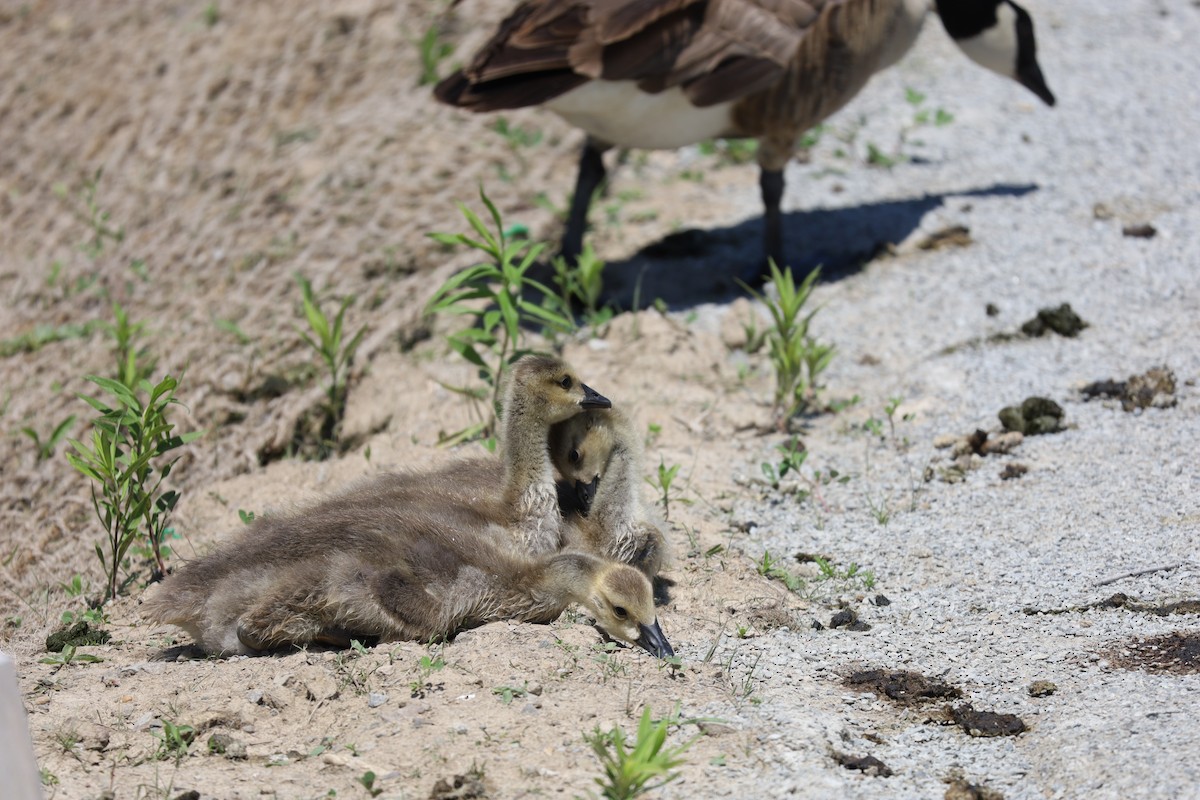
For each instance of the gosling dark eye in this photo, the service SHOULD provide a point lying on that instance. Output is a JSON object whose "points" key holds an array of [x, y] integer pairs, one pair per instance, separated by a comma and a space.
{"points": [[620, 613], [565, 382], [573, 456]]}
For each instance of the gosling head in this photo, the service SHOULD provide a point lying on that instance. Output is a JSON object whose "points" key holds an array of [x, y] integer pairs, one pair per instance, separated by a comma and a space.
{"points": [[579, 449], [997, 35], [622, 601], [550, 389]]}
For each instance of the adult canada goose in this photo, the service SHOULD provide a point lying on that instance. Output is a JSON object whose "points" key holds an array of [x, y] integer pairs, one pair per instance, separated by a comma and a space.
{"points": [[518, 491], [358, 566], [602, 454], [667, 73]]}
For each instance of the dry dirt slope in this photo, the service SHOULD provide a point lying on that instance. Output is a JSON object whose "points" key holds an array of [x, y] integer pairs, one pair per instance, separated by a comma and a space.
{"points": [[269, 140]]}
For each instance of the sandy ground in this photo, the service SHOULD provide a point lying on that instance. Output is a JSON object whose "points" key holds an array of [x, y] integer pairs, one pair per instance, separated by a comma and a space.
{"points": [[240, 149]]}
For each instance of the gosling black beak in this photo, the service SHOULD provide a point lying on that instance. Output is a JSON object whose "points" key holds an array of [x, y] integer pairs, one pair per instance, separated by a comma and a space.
{"points": [[585, 493], [593, 399], [653, 641]]}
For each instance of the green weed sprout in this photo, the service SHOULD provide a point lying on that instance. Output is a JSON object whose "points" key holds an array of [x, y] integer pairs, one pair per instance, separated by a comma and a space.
{"points": [[798, 358], [583, 283], [434, 50], [629, 773], [124, 460], [491, 295], [328, 341], [662, 482], [45, 449], [133, 363]]}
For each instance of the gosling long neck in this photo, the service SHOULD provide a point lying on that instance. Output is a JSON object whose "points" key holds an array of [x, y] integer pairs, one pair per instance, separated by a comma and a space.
{"points": [[529, 488]]}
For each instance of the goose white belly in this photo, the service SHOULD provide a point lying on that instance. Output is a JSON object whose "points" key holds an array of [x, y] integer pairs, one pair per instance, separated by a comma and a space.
{"points": [[621, 114]]}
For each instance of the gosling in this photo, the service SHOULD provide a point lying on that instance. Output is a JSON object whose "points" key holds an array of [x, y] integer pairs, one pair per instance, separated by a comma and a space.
{"points": [[600, 456], [358, 566], [519, 492]]}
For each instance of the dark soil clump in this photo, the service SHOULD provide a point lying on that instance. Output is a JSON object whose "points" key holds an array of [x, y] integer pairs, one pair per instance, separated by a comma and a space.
{"points": [[869, 765], [1155, 388], [901, 686], [1062, 320], [986, 723], [1177, 653]]}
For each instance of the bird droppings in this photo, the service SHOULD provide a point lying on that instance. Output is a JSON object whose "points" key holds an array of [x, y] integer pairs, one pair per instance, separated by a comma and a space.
{"points": [[1122, 600], [1012, 471], [902, 686], [460, 787], [951, 236], [79, 634], [959, 788], [1035, 416], [1142, 230], [985, 723], [1176, 653], [868, 765], [1061, 320], [1155, 388], [225, 745]]}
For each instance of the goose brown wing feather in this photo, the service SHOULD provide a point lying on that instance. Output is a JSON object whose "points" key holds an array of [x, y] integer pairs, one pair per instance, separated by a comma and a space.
{"points": [[715, 50]]}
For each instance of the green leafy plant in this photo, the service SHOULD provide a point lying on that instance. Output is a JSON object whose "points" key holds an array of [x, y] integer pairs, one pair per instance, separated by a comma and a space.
{"points": [[367, 779], [328, 340], [581, 284], [70, 655], [631, 772], [133, 363], [126, 463], [797, 357], [769, 567], [662, 481], [491, 295], [893, 405], [508, 693], [174, 740], [433, 50], [516, 136], [850, 574], [45, 449], [730, 151], [792, 457], [89, 212]]}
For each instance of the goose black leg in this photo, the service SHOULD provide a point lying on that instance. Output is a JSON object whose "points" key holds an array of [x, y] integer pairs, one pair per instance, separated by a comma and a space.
{"points": [[591, 175], [771, 183]]}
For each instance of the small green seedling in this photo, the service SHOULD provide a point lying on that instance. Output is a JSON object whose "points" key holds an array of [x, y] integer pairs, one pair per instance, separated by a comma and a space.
{"points": [[367, 779], [327, 339], [769, 567], [647, 766], [174, 740], [45, 449], [247, 517], [580, 285], [125, 461], [69, 655], [492, 297], [662, 482], [797, 357], [507, 693], [434, 50], [792, 456]]}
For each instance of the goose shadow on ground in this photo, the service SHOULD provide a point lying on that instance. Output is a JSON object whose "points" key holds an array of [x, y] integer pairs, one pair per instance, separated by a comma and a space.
{"points": [[691, 267]]}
